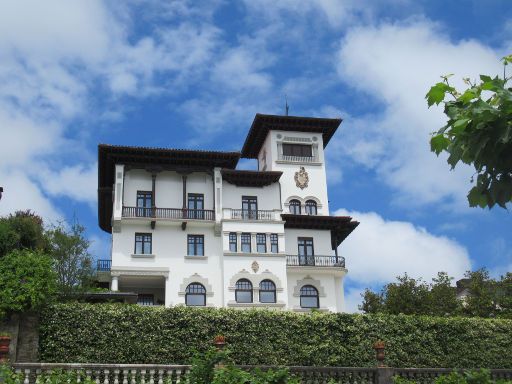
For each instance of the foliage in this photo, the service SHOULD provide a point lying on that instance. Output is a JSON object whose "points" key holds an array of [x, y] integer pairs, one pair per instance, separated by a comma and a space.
{"points": [[27, 281], [485, 296], [408, 296], [482, 376], [481, 300], [372, 302], [203, 366], [61, 376], [73, 263], [478, 132], [413, 296], [8, 376], [22, 230], [443, 297], [123, 333], [206, 369]]}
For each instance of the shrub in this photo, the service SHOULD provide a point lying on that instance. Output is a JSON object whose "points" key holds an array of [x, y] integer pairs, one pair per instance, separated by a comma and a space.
{"points": [[27, 281], [117, 333]]}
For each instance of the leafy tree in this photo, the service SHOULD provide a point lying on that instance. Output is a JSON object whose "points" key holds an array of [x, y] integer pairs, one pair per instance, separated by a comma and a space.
{"points": [[443, 298], [481, 300], [27, 281], [408, 296], [72, 262], [478, 132], [372, 302], [22, 230], [504, 295]]}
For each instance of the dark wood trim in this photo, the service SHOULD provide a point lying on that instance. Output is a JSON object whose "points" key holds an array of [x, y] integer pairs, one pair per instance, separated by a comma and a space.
{"points": [[340, 226], [243, 178], [262, 124]]}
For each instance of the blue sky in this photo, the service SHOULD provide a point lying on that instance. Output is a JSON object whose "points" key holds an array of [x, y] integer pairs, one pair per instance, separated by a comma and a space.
{"points": [[192, 74]]}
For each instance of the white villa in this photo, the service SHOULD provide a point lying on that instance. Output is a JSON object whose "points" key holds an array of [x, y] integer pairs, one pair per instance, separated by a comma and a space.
{"points": [[188, 228]]}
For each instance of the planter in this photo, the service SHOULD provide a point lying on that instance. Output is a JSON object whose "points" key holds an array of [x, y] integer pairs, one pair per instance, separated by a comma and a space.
{"points": [[5, 341]]}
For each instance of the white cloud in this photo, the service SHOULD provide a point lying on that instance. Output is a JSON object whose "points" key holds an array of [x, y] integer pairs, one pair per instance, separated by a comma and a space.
{"points": [[53, 57], [379, 250], [76, 182], [21, 193], [395, 65]]}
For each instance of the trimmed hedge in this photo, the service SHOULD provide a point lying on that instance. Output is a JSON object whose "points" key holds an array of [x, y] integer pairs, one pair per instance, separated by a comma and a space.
{"points": [[118, 333]]}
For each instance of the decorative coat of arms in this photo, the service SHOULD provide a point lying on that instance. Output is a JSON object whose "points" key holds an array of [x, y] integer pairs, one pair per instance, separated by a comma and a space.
{"points": [[255, 266], [301, 178]]}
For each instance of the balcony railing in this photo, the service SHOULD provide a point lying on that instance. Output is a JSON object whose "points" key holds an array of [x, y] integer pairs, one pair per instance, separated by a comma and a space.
{"points": [[242, 214], [298, 159], [103, 265], [169, 213], [315, 261]]}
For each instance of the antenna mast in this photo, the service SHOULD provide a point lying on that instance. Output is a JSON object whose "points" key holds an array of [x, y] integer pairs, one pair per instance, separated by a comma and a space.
{"points": [[286, 106]]}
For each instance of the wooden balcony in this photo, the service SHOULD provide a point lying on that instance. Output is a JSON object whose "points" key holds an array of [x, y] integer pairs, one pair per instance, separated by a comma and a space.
{"points": [[315, 261], [169, 213]]}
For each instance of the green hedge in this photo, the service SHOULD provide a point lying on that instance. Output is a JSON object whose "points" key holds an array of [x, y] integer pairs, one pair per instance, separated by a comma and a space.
{"points": [[116, 333]]}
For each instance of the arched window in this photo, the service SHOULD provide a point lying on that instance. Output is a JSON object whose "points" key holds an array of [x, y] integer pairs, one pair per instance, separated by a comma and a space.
{"points": [[195, 295], [309, 297], [267, 291], [311, 207], [295, 207], [243, 291]]}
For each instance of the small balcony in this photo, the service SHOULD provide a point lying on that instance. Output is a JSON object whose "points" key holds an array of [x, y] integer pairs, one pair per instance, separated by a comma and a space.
{"points": [[241, 214], [315, 261], [103, 265], [298, 159], [169, 213]]}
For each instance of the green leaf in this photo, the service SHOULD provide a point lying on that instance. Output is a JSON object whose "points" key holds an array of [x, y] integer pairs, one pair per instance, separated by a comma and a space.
{"points": [[485, 78], [439, 143], [437, 93], [476, 198], [460, 125], [467, 96]]}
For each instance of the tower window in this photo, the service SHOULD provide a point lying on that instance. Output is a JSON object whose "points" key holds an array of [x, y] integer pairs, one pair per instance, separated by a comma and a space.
{"points": [[311, 207], [297, 150], [295, 207]]}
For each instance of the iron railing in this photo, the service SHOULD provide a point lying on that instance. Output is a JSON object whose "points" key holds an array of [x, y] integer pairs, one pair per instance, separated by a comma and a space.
{"points": [[169, 213], [103, 265], [315, 261], [242, 214]]}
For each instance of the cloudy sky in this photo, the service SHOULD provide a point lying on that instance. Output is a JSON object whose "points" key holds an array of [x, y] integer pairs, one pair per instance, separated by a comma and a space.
{"points": [[192, 74]]}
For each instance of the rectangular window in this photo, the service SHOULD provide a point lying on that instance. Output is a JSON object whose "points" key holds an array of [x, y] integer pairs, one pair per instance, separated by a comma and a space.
{"points": [[261, 243], [195, 206], [249, 208], [274, 248], [232, 242], [145, 299], [297, 150], [144, 202], [245, 241], [306, 251], [195, 245], [143, 243]]}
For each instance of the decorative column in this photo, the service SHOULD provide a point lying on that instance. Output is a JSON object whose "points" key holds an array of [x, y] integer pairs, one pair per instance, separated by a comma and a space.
{"points": [[114, 284], [153, 194], [167, 292], [239, 241]]}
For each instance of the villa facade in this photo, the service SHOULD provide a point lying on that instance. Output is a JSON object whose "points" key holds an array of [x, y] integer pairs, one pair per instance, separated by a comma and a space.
{"points": [[188, 228]]}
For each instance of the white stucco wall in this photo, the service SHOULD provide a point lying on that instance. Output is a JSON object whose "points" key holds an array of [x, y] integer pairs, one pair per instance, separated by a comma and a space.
{"points": [[268, 196], [317, 186], [321, 241], [329, 285]]}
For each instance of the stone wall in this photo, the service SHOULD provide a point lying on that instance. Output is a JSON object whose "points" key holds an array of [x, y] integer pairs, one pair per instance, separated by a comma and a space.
{"points": [[24, 332]]}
